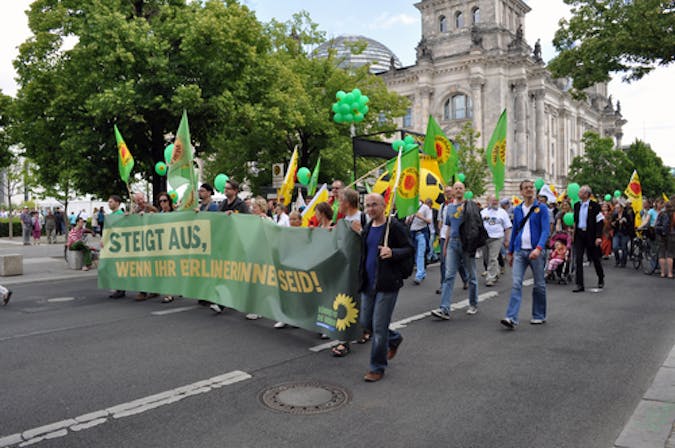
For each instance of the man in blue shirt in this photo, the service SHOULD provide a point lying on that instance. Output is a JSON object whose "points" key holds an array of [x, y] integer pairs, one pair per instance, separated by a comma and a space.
{"points": [[531, 228]]}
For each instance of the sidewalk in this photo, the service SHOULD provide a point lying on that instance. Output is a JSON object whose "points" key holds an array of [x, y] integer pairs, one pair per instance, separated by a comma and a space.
{"points": [[43, 262]]}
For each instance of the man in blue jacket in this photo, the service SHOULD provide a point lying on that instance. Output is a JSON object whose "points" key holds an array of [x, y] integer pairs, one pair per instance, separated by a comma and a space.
{"points": [[527, 248]]}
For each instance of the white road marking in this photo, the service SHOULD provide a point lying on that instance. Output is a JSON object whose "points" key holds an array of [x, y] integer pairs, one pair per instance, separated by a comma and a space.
{"points": [[174, 310], [135, 407], [61, 299], [528, 282]]}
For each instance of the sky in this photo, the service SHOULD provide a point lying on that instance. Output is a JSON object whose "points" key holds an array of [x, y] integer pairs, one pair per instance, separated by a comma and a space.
{"points": [[645, 104]]}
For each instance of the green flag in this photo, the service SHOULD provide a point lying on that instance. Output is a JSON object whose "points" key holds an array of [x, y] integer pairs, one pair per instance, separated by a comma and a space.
{"points": [[438, 146], [181, 172], [314, 180], [407, 190], [496, 153], [125, 161]]}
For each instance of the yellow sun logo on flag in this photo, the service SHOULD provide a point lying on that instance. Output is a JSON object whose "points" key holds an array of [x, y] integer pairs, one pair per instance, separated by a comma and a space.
{"points": [[349, 313], [443, 149], [409, 183], [500, 151], [125, 155]]}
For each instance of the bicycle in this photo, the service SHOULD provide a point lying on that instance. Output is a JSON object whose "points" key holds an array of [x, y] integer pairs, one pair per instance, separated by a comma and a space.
{"points": [[643, 255]]}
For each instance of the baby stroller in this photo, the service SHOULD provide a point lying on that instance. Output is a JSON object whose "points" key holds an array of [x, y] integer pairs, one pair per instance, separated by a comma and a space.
{"points": [[559, 269]]}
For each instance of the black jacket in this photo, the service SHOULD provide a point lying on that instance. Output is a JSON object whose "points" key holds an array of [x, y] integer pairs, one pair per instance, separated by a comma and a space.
{"points": [[389, 275], [593, 226], [238, 206], [472, 233]]}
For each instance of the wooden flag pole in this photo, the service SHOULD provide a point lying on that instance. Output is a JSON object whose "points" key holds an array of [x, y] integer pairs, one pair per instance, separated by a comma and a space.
{"points": [[393, 196], [367, 174]]}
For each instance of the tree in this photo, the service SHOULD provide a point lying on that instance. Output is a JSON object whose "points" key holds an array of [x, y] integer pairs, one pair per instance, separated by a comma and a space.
{"points": [[294, 109], [603, 167], [137, 64], [655, 178], [605, 36], [6, 141], [472, 160]]}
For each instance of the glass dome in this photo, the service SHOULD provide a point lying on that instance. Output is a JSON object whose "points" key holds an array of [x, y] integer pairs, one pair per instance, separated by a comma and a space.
{"points": [[378, 55]]}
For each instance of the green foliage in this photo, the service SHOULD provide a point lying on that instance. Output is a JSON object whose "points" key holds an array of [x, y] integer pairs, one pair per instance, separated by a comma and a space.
{"points": [[472, 162], [655, 178], [4, 227], [603, 167], [6, 141], [605, 36]]}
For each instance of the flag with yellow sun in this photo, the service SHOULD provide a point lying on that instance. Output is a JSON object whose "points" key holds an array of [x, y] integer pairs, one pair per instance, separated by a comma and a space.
{"points": [[438, 146], [496, 153], [407, 191]]}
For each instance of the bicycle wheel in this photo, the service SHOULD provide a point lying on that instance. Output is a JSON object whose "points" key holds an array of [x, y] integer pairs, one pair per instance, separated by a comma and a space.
{"points": [[649, 260], [636, 256]]}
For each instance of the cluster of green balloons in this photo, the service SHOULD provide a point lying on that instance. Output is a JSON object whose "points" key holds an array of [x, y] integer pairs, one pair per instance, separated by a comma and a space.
{"points": [[568, 219], [220, 181], [304, 175], [403, 145], [350, 107], [539, 183]]}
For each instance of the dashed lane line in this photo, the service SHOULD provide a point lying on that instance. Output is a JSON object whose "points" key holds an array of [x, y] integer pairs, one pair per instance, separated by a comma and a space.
{"points": [[175, 310], [92, 419]]}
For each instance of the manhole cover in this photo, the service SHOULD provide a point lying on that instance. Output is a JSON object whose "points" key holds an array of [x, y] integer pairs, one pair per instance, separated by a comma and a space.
{"points": [[304, 398]]}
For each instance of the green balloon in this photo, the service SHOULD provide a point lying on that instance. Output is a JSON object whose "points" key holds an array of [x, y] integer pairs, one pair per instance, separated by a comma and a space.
{"points": [[356, 93], [364, 110], [397, 145], [344, 108], [340, 94], [220, 182], [461, 177], [617, 194], [173, 195], [336, 107], [573, 190], [539, 183], [168, 152], [568, 219], [364, 100], [349, 98], [409, 139], [304, 175], [348, 118], [337, 118], [160, 168], [608, 197], [468, 194], [358, 117]]}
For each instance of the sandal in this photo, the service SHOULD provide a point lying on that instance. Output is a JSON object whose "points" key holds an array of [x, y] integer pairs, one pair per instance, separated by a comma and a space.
{"points": [[340, 350], [167, 299], [363, 339]]}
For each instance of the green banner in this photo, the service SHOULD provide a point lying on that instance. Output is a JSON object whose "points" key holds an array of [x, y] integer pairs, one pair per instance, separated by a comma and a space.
{"points": [[304, 277]]}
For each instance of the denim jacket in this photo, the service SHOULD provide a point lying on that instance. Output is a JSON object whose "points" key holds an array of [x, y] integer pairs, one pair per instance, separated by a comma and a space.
{"points": [[539, 223]]}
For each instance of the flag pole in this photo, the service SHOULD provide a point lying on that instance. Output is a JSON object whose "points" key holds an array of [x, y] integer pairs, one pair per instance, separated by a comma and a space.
{"points": [[393, 195], [367, 174]]}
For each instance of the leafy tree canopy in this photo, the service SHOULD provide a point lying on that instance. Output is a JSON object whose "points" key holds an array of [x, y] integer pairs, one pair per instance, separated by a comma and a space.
{"points": [[5, 138], [252, 91], [603, 167], [655, 178], [472, 160], [605, 36]]}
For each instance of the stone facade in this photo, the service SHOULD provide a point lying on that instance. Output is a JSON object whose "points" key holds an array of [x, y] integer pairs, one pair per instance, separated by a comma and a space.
{"points": [[473, 62]]}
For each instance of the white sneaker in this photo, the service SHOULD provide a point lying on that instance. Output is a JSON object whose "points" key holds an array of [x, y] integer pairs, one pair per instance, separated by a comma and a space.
{"points": [[472, 310], [279, 325], [537, 321], [216, 308], [251, 316]]}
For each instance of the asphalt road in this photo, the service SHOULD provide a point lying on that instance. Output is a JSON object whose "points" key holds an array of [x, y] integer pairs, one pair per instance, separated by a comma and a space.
{"points": [[66, 350]]}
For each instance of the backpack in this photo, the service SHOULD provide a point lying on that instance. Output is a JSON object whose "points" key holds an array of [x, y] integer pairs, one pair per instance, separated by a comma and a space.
{"points": [[662, 226]]}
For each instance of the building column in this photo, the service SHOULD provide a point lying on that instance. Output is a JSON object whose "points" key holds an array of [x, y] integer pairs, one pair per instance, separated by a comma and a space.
{"points": [[540, 131], [476, 85], [420, 122], [519, 159]]}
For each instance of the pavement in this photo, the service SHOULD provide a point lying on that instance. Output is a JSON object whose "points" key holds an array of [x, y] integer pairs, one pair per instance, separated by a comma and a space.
{"points": [[652, 424]]}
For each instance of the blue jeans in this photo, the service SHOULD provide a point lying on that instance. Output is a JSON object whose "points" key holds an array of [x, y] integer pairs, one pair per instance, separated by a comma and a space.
{"points": [[454, 258], [521, 260], [376, 311], [460, 270], [620, 243], [421, 250]]}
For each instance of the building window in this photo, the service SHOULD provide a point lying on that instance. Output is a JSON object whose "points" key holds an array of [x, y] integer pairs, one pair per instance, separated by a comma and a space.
{"points": [[443, 24], [475, 15], [458, 107], [459, 20], [407, 118]]}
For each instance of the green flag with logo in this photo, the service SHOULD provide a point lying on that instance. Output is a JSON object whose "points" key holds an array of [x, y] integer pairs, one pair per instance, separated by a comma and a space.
{"points": [[438, 146], [407, 190], [314, 180], [125, 161], [496, 153], [181, 175]]}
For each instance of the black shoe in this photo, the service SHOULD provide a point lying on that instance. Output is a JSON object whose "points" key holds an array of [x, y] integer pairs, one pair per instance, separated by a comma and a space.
{"points": [[601, 285], [578, 289], [5, 301], [438, 291], [117, 295]]}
